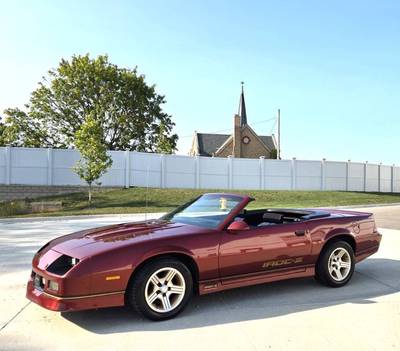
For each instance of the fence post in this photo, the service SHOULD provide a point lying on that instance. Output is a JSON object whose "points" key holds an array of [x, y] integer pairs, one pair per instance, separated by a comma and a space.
{"points": [[347, 174], [8, 165], [379, 177], [162, 170], [127, 169], [323, 175], [50, 166], [230, 171], [197, 170], [365, 176], [293, 184], [262, 172], [392, 179]]}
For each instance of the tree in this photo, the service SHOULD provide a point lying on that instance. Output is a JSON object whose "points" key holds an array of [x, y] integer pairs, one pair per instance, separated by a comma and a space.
{"points": [[274, 154], [19, 130], [2, 127], [94, 160], [128, 110]]}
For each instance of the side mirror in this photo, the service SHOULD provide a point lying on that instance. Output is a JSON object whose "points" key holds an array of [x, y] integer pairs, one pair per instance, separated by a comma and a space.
{"points": [[238, 226]]}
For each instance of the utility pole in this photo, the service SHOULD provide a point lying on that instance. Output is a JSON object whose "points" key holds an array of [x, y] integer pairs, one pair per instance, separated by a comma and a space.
{"points": [[278, 153]]}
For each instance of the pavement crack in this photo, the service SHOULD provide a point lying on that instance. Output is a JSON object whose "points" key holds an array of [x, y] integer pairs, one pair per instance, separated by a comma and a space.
{"points": [[15, 316]]}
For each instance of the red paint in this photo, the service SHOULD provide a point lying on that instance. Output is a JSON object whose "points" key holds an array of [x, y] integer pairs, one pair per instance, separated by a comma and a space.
{"points": [[237, 226], [226, 257]]}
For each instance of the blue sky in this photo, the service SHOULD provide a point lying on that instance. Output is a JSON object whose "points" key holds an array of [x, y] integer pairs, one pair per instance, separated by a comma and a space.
{"points": [[333, 68]]}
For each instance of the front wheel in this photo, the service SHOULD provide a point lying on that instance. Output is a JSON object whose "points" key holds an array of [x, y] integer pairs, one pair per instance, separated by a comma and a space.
{"points": [[161, 289], [335, 266]]}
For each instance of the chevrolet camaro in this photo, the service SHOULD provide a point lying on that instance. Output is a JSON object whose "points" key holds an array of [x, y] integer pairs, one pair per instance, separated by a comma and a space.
{"points": [[207, 245]]}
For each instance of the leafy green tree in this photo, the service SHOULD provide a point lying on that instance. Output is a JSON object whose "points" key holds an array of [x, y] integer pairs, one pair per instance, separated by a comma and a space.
{"points": [[128, 110], [19, 130], [94, 160], [274, 153], [163, 142], [2, 127]]}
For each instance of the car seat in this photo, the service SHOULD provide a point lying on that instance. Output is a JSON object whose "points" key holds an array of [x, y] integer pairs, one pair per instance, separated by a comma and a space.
{"points": [[271, 218]]}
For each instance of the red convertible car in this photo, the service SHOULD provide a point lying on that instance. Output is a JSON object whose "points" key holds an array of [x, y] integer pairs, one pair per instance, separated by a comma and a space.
{"points": [[210, 244]]}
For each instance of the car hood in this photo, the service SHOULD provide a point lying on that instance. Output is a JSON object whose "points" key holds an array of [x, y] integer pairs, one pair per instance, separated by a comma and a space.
{"points": [[89, 242]]}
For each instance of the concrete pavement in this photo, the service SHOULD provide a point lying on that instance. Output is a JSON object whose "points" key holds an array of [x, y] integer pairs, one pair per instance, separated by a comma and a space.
{"points": [[298, 314], [386, 216]]}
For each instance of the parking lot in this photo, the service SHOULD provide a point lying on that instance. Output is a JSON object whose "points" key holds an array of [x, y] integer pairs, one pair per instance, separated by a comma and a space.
{"points": [[289, 315]]}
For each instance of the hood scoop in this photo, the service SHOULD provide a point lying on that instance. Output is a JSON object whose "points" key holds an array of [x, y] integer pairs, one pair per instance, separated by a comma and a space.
{"points": [[126, 231]]}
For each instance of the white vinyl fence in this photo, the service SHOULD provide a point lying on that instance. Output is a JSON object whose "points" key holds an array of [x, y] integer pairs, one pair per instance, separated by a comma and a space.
{"points": [[31, 166]]}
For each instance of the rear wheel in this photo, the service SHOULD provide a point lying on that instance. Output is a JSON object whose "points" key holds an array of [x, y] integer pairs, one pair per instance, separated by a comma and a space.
{"points": [[335, 266], [161, 289]]}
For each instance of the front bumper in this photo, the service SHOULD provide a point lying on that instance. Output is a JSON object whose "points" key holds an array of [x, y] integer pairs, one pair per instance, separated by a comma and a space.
{"points": [[69, 292], [73, 303]]}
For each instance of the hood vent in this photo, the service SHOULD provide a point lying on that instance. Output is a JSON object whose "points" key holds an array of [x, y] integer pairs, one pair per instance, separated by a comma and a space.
{"points": [[62, 265]]}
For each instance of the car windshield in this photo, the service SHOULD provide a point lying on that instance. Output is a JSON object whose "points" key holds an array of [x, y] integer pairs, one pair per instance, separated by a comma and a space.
{"points": [[206, 211]]}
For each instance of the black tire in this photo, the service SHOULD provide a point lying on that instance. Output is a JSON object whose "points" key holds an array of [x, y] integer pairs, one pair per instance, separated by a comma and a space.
{"points": [[322, 272], [135, 296]]}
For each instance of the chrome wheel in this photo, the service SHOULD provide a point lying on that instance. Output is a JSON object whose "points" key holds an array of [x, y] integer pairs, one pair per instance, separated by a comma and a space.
{"points": [[339, 264], [165, 290]]}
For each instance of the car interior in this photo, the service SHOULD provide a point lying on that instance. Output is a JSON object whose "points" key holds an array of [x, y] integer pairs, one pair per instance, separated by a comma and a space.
{"points": [[265, 217]]}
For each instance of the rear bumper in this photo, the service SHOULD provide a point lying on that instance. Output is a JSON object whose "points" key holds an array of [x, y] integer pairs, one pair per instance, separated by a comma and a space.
{"points": [[376, 241], [75, 303]]}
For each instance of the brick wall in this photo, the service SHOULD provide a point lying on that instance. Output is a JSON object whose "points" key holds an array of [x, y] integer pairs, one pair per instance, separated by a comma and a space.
{"points": [[255, 148], [20, 192]]}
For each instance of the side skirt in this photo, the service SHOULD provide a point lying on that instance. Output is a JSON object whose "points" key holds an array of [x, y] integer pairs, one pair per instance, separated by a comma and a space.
{"points": [[210, 286]]}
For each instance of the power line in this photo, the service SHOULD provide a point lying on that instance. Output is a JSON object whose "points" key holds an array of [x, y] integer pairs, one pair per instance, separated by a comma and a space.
{"points": [[229, 129], [273, 127]]}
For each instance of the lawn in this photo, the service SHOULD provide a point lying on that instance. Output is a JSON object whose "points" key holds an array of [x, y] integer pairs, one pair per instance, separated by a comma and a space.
{"points": [[139, 200]]}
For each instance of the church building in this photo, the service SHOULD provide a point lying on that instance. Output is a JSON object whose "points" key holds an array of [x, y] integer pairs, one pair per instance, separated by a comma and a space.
{"points": [[244, 142]]}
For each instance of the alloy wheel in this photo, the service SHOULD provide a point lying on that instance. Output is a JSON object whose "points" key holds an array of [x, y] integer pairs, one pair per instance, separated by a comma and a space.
{"points": [[339, 264], [165, 290]]}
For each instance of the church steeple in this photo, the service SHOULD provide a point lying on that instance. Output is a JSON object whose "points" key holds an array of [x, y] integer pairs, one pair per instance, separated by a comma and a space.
{"points": [[242, 109]]}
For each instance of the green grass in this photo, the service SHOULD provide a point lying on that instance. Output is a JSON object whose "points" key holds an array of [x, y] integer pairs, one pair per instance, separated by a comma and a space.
{"points": [[133, 200]]}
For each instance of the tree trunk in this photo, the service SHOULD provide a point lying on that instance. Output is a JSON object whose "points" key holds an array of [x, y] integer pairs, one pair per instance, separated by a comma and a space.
{"points": [[90, 194]]}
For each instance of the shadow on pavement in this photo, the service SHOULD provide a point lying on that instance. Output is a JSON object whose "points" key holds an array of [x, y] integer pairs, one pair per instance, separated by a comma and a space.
{"points": [[373, 278]]}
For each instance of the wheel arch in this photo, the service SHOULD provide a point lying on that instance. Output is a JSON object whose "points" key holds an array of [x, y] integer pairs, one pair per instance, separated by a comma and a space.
{"points": [[340, 235], [185, 258], [321, 274]]}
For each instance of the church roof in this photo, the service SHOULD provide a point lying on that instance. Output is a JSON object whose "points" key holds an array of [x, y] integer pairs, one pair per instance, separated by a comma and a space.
{"points": [[242, 109], [210, 143]]}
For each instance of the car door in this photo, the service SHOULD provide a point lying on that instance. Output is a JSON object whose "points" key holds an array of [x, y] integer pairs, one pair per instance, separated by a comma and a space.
{"points": [[264, 250]]}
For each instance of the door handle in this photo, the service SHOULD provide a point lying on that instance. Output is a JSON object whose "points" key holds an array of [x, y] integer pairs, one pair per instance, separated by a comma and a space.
{"points": [[300, 232]]}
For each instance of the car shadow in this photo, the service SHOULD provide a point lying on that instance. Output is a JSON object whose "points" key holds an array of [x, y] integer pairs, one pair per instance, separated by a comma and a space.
{"points": [[373, 278]]}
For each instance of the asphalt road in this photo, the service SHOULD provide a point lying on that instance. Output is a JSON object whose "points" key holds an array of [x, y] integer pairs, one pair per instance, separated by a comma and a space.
{"points": [[290, 315]]}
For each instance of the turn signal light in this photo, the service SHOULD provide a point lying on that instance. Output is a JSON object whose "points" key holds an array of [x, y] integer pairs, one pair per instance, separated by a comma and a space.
{"points": [[53, 285]]}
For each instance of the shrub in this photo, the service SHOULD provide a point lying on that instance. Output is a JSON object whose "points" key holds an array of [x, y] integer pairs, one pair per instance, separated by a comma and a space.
{"points": [[12, 208]]}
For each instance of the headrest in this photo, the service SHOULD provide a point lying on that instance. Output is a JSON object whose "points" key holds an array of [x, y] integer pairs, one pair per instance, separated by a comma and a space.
{"points": [[272, 217]]}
